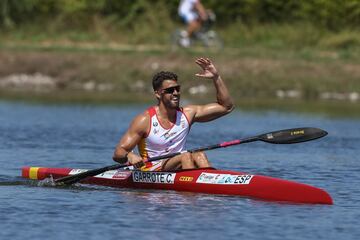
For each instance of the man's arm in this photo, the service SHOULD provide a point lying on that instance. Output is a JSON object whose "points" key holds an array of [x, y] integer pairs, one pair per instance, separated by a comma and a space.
{"points": [[224, 104], [137, 129]]}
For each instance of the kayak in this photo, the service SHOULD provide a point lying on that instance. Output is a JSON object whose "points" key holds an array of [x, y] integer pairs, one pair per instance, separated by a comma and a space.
{"points": [[205, 180]]}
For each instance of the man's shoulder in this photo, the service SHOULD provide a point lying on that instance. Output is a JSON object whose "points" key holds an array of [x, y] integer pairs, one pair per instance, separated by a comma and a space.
{"points": [[141, 121], [144, 116], [190, 111]]}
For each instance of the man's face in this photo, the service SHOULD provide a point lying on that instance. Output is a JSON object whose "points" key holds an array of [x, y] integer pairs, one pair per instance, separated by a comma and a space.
{"points": [[170, 93]]}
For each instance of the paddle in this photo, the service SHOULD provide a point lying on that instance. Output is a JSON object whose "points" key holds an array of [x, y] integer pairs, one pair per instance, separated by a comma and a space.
{"points": [[287, 136]]}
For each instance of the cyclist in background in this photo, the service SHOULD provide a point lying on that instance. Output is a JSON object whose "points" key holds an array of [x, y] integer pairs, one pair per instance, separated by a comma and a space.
{"points": [[193, 14]]}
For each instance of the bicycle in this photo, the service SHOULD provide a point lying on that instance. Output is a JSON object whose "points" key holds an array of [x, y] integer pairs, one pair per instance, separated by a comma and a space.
{"points": [[206, 37]]}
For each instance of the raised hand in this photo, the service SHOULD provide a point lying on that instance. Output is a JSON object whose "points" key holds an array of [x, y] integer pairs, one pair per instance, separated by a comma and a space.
{"points": [[208, 68]]}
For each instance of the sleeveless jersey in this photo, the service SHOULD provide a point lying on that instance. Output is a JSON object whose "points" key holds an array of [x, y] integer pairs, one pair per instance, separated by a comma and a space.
{"points": [[160, 140]]}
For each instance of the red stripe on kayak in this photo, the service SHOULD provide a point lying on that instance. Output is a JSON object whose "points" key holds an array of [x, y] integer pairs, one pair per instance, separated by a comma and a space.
{"points": [[25, 172], [260, 187]]}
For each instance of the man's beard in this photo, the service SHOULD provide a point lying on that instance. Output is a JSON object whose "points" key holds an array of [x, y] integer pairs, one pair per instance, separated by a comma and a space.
{"points": [[172, 104]]}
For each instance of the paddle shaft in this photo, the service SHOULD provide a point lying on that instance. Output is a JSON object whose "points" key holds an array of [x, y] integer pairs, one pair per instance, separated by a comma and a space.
{"points": [[78, 177], [287, 136]]}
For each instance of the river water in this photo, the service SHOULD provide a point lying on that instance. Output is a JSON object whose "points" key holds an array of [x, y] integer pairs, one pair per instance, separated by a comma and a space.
{"points": [[85, 136]]}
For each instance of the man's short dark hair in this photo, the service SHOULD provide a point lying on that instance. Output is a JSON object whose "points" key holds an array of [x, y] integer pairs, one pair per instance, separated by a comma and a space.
{"points": [[162, 76]]}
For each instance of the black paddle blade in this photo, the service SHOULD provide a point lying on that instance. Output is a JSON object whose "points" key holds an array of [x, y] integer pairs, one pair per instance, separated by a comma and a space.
{"points": [[294, 135]]}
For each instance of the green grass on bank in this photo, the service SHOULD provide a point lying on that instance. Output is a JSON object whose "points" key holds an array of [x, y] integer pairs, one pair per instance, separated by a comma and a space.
{"points": [[291, 36], [258, 63], [279, 37], [248, 75]]}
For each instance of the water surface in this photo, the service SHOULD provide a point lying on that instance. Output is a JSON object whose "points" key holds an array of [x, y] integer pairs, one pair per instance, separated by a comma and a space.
{"points": [[85, 136]]}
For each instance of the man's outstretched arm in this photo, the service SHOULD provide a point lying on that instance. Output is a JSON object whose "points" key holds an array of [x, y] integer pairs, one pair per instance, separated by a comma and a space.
{"points": [[224, 103]]}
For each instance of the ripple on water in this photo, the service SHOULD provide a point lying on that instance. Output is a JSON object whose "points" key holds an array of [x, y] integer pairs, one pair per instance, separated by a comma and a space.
{"points": [[84, 137]]}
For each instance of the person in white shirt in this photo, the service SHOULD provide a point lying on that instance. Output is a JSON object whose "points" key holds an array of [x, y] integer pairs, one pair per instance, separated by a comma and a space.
{"points": [[193, 14]]}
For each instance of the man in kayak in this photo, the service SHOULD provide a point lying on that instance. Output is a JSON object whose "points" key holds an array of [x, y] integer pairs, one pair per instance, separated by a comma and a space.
{"points": [[162, 129]]}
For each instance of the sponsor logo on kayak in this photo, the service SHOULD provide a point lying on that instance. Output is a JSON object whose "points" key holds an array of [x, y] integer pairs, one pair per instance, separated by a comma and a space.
{"points": [[118, 174], [111, 174], [121, 175], [299, 132], [108, 174], [213, 178], [77, 171], [185, 179], [153, 177]]}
